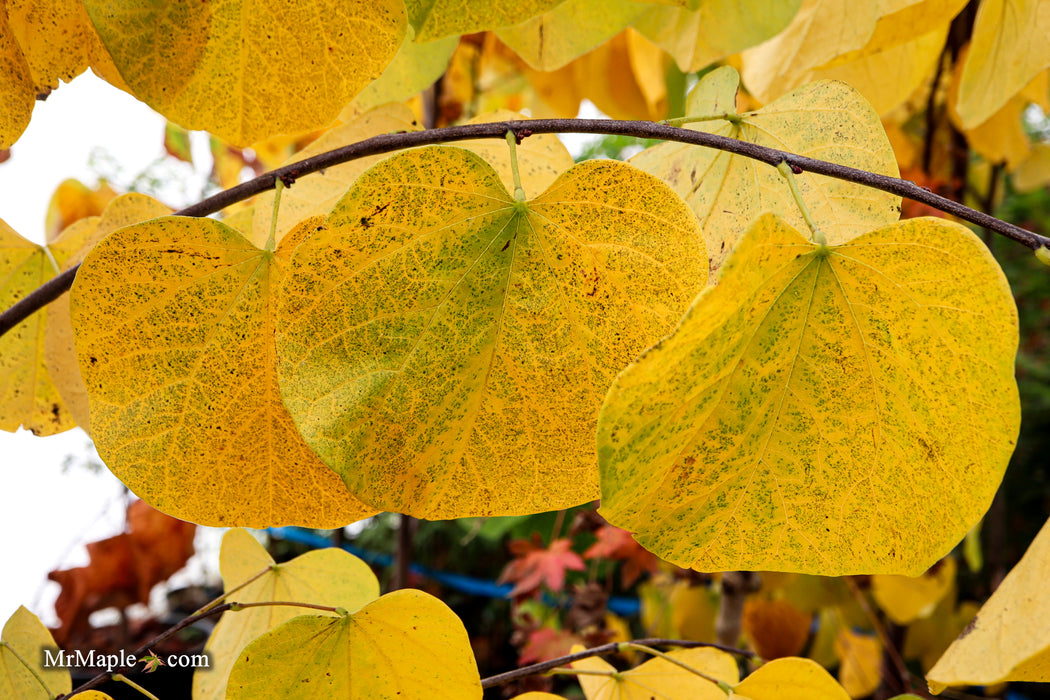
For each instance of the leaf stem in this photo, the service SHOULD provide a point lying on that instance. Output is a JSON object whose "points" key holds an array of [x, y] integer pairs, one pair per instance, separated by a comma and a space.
{"points": [[512, 142], [25, 664], [252, 579], [724, 116], [271, 240], [124, 679], [387, 143], [785, 170]]}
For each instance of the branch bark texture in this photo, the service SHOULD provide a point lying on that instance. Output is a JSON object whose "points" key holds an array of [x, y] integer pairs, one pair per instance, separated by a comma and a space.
{"points": [[388, 143]]}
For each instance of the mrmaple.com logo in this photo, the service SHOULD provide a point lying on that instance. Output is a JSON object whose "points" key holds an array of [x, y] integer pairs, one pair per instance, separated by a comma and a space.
{"points": [[58, 658]]}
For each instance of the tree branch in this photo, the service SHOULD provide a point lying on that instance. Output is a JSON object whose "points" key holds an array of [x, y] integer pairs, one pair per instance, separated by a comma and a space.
{"points": [[611, 648], [387, 143]]}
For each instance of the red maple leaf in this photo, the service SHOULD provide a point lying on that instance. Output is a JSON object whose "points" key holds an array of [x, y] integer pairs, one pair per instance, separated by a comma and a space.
{"points": [[615, 543], [533, 565], [545, 644]]}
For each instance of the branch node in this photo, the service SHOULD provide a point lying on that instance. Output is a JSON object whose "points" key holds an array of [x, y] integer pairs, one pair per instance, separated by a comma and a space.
{"points": [[288, 179]]}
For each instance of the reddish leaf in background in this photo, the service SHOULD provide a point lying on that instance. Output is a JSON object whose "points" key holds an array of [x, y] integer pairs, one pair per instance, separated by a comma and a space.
{"points": [[616, 543], [545, 644], [122, 569], [533, 565]]}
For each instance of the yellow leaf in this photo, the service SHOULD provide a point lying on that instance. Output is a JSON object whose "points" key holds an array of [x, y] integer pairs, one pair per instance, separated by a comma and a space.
{"points": [[56, 38], [71, 201], [815, 411], [790, 679], [820, 31], [906, 599], [16, 85], [826, 120], [445, 349], [406, 644], [860, 670], [323, 577], [28, 396], [659, 679], [1008, 49], [624, 77], [93, 695], [693, 612], [1008, 640], [888, 76], [174, 338], [537, 695], [414, 68], [696, 38], [433, 19], [1002, 137], [239, 69], [69, 249], [901, 24], [317, 193], [657, 613], [1034, 172], [22, 668], [553, 39], [928, 639]]}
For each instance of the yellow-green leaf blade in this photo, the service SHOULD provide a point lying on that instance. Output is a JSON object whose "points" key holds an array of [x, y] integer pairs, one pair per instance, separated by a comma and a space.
{"points": [[826, 120], [718, 28], [819, 408], [22, 660], [415, 68], [406, 644], [28, 396], [446, 353], [434, 19], [791, 679], [321, 577], [568, 31], [174, 330], [233, 68]]}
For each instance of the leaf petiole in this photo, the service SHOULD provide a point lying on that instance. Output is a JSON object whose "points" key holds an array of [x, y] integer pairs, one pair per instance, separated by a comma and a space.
{"points": [[278, 187], [124, 679], [723, 116], [512, 142], [786, 171]]}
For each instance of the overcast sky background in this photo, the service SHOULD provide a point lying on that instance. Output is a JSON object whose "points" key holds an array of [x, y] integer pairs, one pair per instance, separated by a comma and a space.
{"points": [[50, 504]]}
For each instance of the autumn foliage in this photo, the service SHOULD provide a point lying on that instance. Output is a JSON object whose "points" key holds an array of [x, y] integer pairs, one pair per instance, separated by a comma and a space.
{"points": [[753, 368]]}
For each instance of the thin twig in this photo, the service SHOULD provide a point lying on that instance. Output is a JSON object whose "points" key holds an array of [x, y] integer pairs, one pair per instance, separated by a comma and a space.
{"points": [[387, 143], [611, 648]]}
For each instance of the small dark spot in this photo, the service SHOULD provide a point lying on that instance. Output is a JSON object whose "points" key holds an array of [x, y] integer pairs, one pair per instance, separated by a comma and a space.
{"points": [[55, 411], [366, 222], [505, 246], [969, 628], [689, 461], [93, 361]]}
